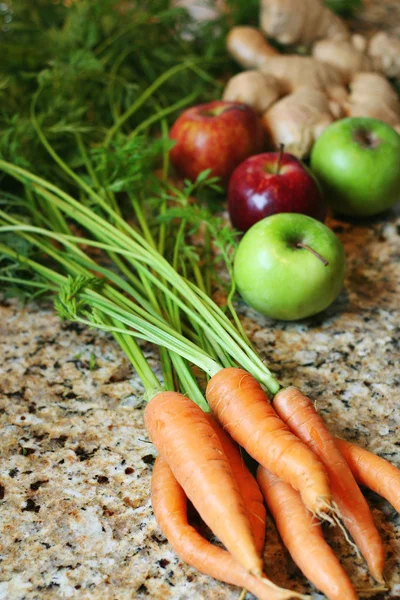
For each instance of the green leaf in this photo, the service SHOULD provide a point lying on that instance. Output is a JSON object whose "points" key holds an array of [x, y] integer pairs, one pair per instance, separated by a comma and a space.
{"points": [[68, 304]]}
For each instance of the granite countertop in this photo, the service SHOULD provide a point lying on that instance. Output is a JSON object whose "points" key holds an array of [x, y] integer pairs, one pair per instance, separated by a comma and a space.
{"points": [[76, 462]]}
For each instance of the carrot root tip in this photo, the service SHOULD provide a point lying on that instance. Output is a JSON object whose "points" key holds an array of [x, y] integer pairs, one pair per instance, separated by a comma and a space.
{"points": [[327, 511], [323, 516], [332, 515], [347, 537]]}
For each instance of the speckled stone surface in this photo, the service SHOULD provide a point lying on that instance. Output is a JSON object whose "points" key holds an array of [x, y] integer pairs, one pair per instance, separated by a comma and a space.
{"points": [[75, 514]]}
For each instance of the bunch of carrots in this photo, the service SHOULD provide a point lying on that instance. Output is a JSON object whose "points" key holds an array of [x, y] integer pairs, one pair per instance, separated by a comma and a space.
{"points": [[305, 476]]}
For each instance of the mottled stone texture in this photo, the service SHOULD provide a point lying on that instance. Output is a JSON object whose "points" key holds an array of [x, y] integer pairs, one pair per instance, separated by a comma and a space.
{"points": [[75, 514]]}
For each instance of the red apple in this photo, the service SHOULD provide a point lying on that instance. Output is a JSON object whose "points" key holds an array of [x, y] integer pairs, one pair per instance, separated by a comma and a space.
{"points": [[269, 183], [217, 136]]}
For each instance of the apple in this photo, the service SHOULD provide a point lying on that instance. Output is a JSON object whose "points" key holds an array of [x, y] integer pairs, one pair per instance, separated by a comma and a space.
{"points": [[357, 162], [289, 266], [269, 183], [217, 136]]}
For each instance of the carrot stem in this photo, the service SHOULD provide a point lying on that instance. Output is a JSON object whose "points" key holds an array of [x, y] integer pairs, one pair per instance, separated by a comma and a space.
{"points": [[144, 96], [215, 322]]}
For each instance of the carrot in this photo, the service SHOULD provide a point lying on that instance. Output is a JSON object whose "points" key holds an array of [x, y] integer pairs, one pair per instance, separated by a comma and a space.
{"points": [[374, 472], [170, 509], [247, 484], [184, 437], [299, 414], [243, 408], [302, 536]]}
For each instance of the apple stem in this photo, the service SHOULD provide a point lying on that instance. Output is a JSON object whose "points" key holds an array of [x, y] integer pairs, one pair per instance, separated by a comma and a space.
{"points": [[321, 258], [280, 155]]}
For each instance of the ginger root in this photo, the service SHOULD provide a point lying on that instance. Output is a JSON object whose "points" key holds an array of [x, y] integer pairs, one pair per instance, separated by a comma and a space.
{"points": [[384, 50], [371, 95], [298, 71], [380, 53], [252, 51], [248, 47], [341, 78], [253, 88], [307, 21], [338, 97], [298, 120], [300, 21], [348, 56]]}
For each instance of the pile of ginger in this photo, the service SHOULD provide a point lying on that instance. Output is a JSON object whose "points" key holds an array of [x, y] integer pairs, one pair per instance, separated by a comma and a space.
{"points": [[298, 96]]}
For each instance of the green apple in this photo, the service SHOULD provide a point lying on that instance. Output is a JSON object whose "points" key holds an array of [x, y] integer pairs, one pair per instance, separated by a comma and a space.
{"points": [[357, 162], [289, 266]]}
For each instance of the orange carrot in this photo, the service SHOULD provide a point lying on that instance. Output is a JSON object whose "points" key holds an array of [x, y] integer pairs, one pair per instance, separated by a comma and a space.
{"points": [[372, 471], [299, 414], [183, 436], [243, 408], [303, 537], [247, 484], [170, 509]]}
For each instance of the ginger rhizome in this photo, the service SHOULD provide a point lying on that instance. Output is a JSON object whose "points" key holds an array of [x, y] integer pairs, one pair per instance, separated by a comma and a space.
{"points": [[300, 21], [298, 120], [298, 96]]}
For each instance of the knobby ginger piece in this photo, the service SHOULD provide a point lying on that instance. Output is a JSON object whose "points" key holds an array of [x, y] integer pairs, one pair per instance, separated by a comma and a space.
{"points": [[371, 95], [300, 21], [253, 88], [252, 51], [381, 53], [295, 71], [248, 46], [348, 56], [384, 50], [298, 120], [338, 97]]}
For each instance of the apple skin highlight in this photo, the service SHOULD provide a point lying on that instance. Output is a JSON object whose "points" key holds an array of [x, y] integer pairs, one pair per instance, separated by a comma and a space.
{"points": [[217, 136], [271, 183]]}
